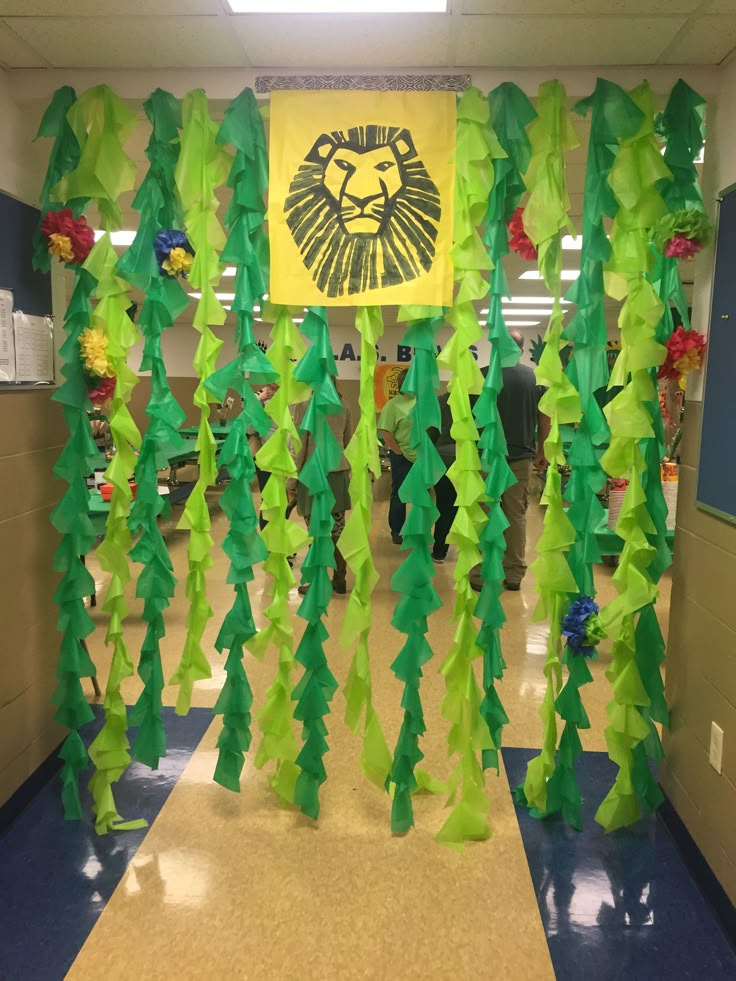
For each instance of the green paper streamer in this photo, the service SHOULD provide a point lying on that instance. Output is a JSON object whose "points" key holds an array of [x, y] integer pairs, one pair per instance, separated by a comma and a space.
{"points": [[103, 173], [201, 168], [613, 116], [550, 785], [64, 157], [354, 543], [71, 515], [413, 579], [469, 730], [317, 685], [654, 185], [243, 128], [282, 538], [165, 300]]}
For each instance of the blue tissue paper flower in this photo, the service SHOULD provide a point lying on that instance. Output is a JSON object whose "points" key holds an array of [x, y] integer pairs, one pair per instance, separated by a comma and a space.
{"points": [[167, 240], [575, 625]]}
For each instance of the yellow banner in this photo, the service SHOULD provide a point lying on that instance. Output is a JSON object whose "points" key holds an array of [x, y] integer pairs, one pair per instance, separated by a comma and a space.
{"points": [[361, 198]]}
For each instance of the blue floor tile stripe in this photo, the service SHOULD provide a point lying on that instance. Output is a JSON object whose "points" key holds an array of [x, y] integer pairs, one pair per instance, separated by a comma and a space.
{"points": [[617, 907], [56, 876]]}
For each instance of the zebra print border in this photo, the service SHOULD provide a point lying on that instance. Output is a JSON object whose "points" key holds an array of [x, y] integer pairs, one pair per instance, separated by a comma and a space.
{"points": [[373, 83]]}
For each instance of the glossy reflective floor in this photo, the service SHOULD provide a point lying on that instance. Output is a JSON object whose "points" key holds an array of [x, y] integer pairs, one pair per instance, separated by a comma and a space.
{"points": [[226, 886]]}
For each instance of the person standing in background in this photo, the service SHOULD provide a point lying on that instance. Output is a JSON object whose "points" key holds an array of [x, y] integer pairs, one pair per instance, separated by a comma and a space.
{"points": [[526, 429], [342, 428], [394, 428], [255, 441], [444, 489]]}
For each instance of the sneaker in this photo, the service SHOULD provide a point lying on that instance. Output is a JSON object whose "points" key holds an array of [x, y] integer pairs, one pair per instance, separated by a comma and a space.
{"points": [[303, 589], [397, 539], [438, 557], [512, 587]]}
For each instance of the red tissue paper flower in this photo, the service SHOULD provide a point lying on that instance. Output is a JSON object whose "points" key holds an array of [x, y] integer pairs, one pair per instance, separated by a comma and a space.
{"points": [[104, 389], [520, 241], [70, 238], [685, 350], [680, 247]]}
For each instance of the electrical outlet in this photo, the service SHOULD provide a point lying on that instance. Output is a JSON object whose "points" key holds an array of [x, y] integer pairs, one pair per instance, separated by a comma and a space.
{"points": [[715, 756]]}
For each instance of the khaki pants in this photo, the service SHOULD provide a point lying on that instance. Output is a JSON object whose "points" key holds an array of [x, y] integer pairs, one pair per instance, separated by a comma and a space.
{"points": [[514, 504]]}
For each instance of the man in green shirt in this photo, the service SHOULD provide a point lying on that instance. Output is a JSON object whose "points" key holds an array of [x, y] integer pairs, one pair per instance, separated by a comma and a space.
{"points": [[394, 427]]}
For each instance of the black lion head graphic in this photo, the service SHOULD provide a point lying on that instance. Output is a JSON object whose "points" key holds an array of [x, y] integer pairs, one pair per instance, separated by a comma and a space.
{"points": [[363, 210]]}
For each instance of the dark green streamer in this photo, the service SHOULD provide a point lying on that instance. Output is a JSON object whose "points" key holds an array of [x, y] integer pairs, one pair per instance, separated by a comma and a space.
{"points": [[243, 129]]}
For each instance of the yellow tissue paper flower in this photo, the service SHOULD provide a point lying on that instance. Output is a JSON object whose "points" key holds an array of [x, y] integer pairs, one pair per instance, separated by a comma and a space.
{"points": [[61, 245], [93, 344], [178, 262]]}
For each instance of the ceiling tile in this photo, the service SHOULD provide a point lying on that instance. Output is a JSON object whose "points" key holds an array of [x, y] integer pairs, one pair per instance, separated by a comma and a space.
{"points": [[345, 41], [107, 8], [707, 40], [15, 53], [671, 7], [572, 41], [122, 42]]}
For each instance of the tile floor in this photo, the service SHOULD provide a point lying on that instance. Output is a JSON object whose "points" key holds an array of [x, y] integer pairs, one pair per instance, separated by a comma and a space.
{"points": [[227, 886]]}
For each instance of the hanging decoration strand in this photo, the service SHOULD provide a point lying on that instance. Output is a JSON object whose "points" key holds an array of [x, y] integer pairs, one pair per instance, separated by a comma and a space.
{"points": [[354, 543], [317, 685], [461, 706], [165, 300], [551, 787], [78, 458], [283, 538], [247, 249], [413, 579], [201, 169]]}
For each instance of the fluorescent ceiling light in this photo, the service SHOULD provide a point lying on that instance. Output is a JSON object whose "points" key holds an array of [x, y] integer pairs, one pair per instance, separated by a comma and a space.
{"points": [[220, 296], [572, 244], [338, 6], [122, 237], [521, 300], [229, 271], [522, 323], [527, 311], [567, 275]]}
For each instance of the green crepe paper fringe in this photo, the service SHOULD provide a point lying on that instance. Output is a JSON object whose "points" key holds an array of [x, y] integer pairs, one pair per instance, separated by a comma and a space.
{"points": [[282, 539], [165, 300], [413, 579], [354, 543], [550, 784], [639, 700], [64, 157], [510, 112], [317, 685], [243, 128], [104, 172], [71, 516], [461, 706], [635, 178], [613, 116], [201, 168]]}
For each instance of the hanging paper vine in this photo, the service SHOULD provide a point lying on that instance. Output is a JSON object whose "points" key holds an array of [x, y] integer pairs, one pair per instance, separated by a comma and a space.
{"points": [[78, 458], [246, 248], [283, 538], [413, 579], [461, 706], [550, 785], [317, 685], [165, 300], [201, 169], [354, 543], [103, 173]]}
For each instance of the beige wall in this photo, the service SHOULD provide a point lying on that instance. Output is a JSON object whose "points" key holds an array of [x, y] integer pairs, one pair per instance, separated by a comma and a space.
{"points": [[701, 662], [32, 434], [31, 437]]}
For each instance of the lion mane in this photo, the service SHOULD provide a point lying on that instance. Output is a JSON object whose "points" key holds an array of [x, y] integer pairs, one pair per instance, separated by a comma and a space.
{"points": [[363, 210]]}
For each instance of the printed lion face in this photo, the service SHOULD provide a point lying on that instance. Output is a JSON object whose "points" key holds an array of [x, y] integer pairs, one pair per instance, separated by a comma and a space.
{"points": [[363, 210]]}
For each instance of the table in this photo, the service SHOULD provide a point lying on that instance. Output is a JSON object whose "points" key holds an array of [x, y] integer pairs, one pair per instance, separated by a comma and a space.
{"points": [[609, 542], [220, 430]]}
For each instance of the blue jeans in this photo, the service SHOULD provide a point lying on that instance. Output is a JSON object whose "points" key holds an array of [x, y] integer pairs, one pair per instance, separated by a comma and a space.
{"points": [[400, 467]]}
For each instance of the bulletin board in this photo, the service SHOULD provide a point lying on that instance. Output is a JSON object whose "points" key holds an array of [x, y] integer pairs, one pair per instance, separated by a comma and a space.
{"points": [[716, 490]]}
